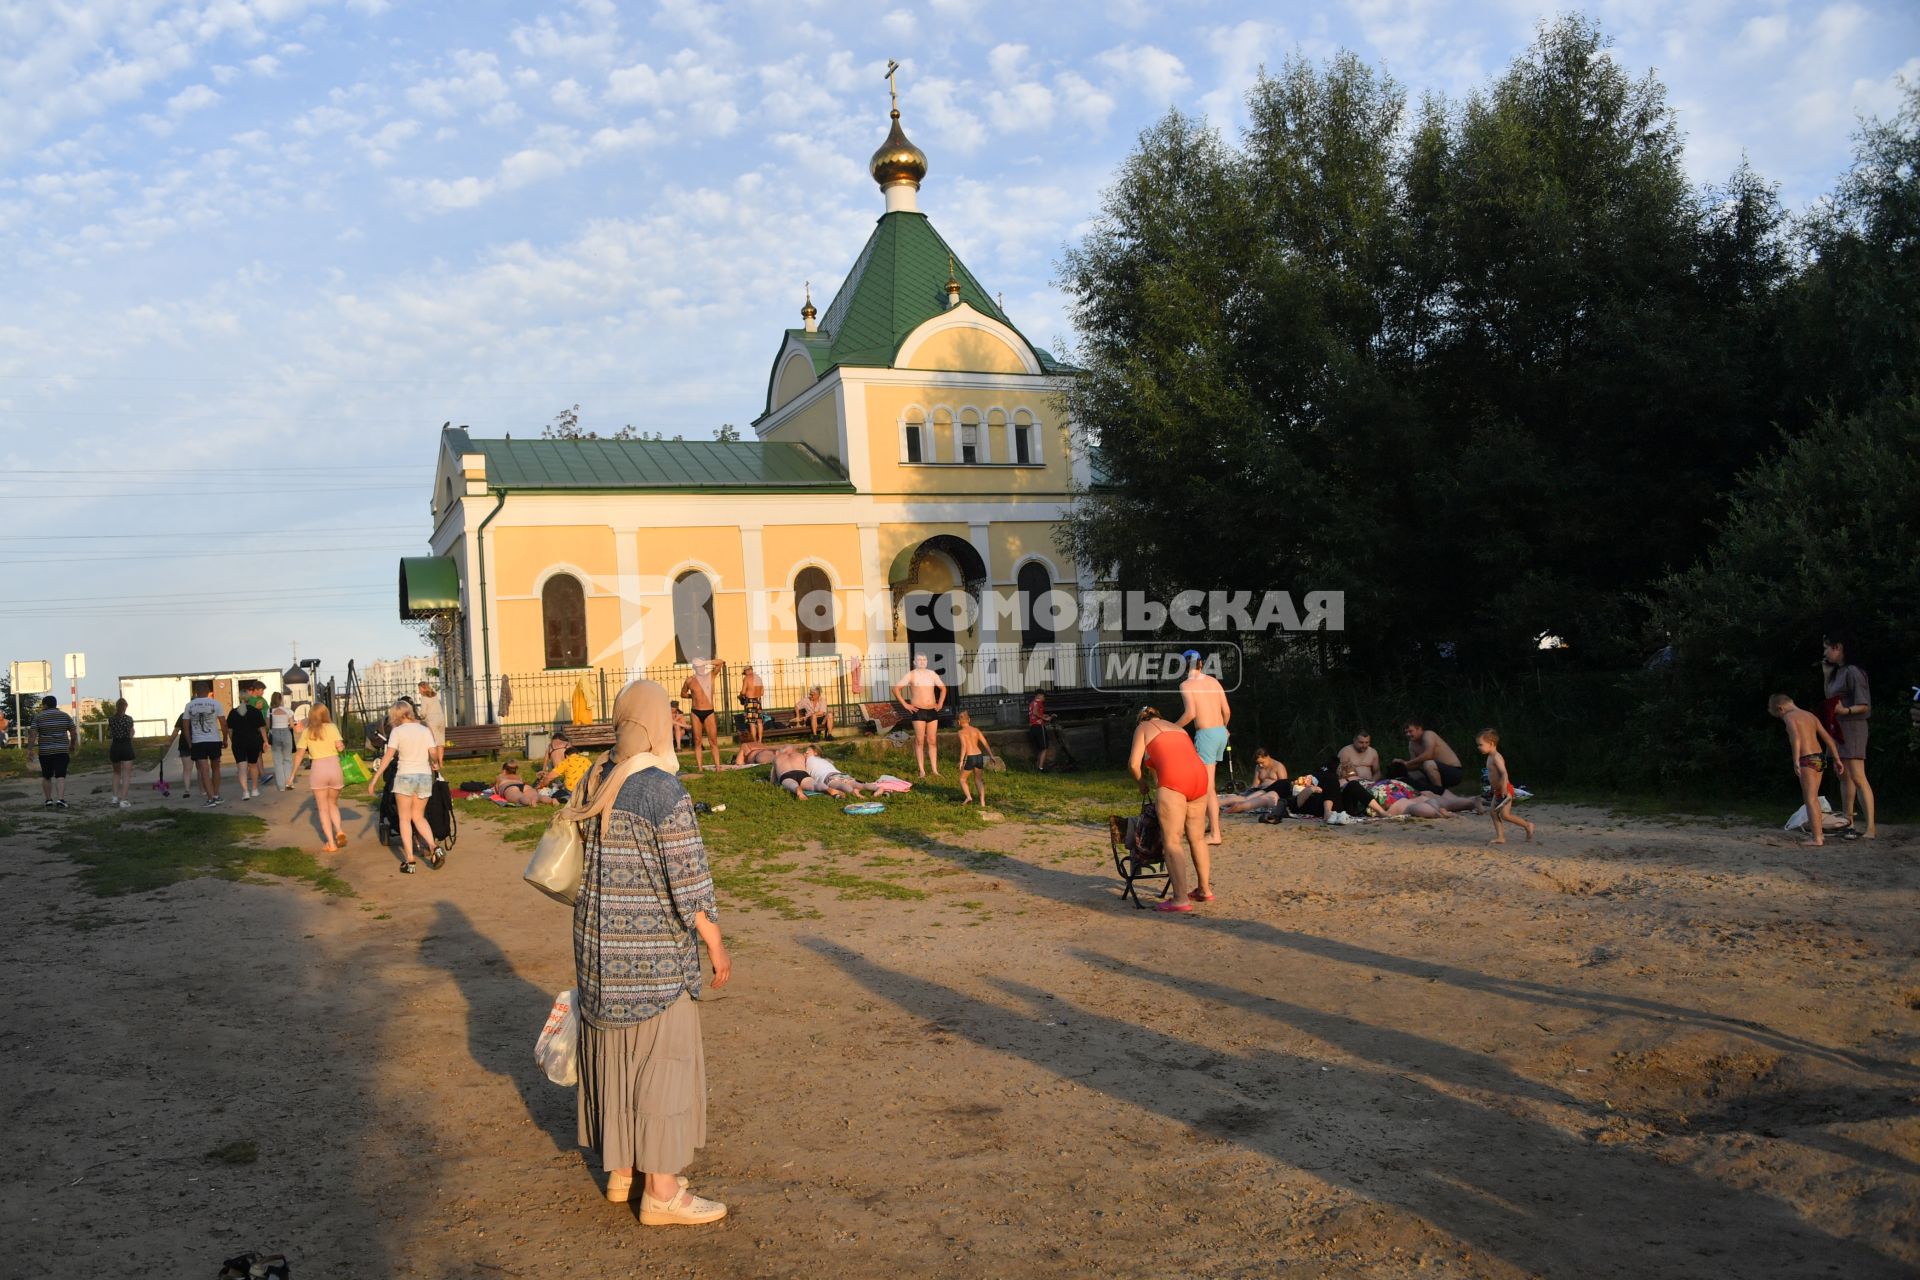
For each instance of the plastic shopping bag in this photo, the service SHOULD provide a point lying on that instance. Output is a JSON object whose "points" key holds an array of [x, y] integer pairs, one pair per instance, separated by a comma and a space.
{"points": [[353, 770], [558, 1048]]}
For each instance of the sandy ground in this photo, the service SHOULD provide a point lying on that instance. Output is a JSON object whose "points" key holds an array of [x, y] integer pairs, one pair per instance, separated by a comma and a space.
{"points": [[1633, 1050]]}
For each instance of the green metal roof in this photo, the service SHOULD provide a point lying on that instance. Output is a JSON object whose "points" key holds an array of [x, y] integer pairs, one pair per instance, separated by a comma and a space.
{"points": [[898, 283], [650, 464], [428, 585]]}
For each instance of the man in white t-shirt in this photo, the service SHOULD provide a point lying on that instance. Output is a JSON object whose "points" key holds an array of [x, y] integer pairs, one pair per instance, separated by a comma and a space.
{"points": [[206, 738]]}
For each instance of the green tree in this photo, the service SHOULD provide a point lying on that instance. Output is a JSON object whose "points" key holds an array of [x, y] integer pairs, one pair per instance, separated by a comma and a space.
{"points": [[1806, 549], [566, 426], [727, 434]]}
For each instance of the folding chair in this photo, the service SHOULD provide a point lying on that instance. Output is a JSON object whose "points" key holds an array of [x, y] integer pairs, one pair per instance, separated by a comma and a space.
{"points": [[1139, 856]]}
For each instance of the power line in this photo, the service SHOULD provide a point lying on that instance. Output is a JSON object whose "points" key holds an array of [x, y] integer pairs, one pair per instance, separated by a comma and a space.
{"points": [[163, 597], [163, 471], [198, 536], [199, 555]]}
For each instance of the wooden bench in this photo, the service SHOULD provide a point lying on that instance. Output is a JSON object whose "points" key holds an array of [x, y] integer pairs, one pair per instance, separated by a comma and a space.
{"points": [[1085, 704], [474, 740], [590, 736], [770, 730]]}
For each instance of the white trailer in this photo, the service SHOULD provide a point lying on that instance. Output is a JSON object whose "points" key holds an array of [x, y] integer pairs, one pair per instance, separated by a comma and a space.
{"points": [[155, 702]]}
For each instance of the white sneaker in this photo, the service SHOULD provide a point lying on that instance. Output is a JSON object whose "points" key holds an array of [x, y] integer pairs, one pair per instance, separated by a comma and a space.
{"points": [[126, 804], [1337, 819]]}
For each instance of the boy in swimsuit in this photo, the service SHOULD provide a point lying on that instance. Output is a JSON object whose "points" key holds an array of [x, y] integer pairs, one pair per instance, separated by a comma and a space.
{"points": [[1813, 750], [1499, 788], [974, 751], [697, 689], [681, 729]]}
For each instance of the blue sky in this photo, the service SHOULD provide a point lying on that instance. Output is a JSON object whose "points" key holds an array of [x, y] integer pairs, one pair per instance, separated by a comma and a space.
{"points": [[257, 251]]}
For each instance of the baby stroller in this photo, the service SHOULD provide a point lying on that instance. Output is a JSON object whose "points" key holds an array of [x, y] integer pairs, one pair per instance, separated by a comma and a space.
{"points": [[441, 817], [1139, 853]]}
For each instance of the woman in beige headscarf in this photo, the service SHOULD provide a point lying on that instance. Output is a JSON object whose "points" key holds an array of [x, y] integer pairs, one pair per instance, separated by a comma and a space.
{"points": [[645, 908]]}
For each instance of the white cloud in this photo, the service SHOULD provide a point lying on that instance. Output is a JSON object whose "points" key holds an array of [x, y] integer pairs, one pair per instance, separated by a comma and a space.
{"points": [[1762, 35], [1161, 75], [900, 24], [1084, 102], [477, 83], [264, 65], [194, 98]]}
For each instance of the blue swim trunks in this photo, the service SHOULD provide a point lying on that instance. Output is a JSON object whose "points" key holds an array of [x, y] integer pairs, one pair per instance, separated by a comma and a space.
{"points": [[1211, 744]]}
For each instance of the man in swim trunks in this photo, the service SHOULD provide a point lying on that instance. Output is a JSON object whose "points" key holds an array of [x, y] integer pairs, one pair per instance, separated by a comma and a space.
{"points": [[697, 689], [1813, 750], [752, 754], [926, 694], [1204, 706], [753, 695], [790, 771], [1360, 756], [1433, 766], [831, 778]]}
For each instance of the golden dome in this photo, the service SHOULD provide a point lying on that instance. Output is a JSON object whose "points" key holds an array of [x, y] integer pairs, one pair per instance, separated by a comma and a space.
{"points": [[897, 160]]}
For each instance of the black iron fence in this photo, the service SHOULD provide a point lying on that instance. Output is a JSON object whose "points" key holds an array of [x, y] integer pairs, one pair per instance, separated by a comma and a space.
{"points": [[543, 699]]}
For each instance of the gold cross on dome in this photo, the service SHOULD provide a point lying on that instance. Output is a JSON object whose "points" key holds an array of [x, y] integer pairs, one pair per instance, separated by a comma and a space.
{"points": [[893, 93]]}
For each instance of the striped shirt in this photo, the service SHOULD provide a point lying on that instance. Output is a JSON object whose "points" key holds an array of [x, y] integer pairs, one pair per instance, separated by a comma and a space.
{"points": [[53, 730], [644, 879]]}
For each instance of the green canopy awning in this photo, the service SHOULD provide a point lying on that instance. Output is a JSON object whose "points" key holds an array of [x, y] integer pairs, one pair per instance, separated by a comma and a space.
{"points": [[428, 585]]}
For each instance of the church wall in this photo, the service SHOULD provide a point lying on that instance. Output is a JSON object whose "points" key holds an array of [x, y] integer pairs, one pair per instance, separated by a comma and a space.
{"points": [[887, 405], [818, 427], [967, 351]]}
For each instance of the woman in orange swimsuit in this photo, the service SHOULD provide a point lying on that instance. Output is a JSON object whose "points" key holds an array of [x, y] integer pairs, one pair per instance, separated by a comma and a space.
{"points": [[1180, 793]]}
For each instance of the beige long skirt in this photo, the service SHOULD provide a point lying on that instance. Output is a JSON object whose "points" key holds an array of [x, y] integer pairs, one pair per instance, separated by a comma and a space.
{"points": [[643, 1091]]}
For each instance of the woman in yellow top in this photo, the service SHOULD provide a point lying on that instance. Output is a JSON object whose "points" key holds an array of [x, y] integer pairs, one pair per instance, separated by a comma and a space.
{"points": [[321, 741]]}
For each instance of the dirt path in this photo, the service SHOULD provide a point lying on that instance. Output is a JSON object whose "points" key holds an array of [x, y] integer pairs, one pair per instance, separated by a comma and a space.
{"points": [[1635, 1050]]}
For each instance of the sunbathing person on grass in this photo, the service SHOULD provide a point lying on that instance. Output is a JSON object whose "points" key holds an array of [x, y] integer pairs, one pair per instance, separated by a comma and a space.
{"points": [[512, 788], [829, 777]]}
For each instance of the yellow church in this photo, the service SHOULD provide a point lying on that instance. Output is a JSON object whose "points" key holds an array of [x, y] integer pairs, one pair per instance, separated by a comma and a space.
{"points": [[900, 495]]}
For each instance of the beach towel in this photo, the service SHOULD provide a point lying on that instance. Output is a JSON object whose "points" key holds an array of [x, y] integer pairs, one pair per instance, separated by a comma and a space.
{"points": [[886, 782]]}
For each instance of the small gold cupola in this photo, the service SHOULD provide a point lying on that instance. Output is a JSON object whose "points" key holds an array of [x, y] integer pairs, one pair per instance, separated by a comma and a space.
{"points": [[809, 316], [898, 166], [953, 285]]}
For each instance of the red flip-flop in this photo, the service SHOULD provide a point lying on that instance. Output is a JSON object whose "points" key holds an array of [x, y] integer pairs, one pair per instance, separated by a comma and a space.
{"points": [[1203, 897], [1173, 906]]}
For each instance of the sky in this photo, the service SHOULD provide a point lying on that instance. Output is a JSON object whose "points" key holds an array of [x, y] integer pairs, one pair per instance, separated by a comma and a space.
{"points": [[256, 252]]}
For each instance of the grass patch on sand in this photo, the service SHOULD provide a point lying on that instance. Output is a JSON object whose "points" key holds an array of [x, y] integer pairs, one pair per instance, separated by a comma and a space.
{"points": [[764, 844], [119, 856]]}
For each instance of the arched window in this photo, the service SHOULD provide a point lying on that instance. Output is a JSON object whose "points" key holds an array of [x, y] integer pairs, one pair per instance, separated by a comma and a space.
{"points": [[1033, 584], [1025, 447], [915, 440], [970, 445], [692, 617], [815, 610], [563, 614]]}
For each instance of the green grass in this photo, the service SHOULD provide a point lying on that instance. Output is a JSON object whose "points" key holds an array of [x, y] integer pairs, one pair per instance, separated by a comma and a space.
{"points": [[766, 844], [15, 763], [119, 856]]}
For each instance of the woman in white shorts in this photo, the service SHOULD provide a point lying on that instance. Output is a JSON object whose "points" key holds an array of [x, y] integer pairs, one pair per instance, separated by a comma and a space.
{"points": [[411, 743]]}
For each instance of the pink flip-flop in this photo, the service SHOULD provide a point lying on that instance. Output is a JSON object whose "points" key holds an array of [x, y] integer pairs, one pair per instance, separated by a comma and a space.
{"points": [[1173, 906], [1203, 897]]}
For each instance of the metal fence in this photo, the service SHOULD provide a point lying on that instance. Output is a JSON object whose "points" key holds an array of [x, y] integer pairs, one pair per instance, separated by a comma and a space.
{"points": [[535, 699]]}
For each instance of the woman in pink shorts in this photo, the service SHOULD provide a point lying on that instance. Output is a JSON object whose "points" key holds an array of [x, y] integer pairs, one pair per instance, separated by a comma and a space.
{"points": [[321, 741]]}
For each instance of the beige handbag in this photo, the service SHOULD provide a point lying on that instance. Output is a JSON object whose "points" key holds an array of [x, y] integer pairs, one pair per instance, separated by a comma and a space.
{"points": [[560, 860]]}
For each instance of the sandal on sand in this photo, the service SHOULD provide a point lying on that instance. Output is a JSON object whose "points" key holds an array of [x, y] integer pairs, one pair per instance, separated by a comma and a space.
{"points": [[1203, 897], [340, 841], [620, 1186], [684, 1210], [1173, 906]]}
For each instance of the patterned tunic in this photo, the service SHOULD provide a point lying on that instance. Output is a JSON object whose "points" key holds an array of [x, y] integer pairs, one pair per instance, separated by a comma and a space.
{"points": [[645, 877]]}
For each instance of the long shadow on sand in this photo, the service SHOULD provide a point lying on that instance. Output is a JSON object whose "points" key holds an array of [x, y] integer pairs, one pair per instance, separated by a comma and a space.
{"points": [[1100, 893], [1541, 1199], [499, 1037]]}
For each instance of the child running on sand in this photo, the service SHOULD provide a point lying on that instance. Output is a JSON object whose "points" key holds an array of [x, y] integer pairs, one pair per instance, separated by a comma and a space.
{"points": [[974, 752], [1813, 750], [1499, 788]]}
